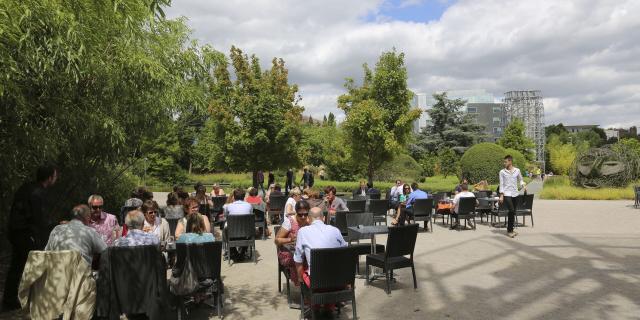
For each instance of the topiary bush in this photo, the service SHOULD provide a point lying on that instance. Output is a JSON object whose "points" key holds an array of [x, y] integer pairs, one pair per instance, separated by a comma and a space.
{"points": [[519, 161], [483, 161], [402, 167]]}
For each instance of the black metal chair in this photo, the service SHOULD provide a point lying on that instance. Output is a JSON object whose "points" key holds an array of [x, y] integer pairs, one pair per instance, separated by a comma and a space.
{"points": [[173, 224], [501, 212], [360, 219], [341, 222], [467, 211], [375, 196], [217, 211], [400, 243], [379, 210], [332, 279], [282, 270], [484, 207], [525, 208], [240, 231], [261, 221], [423, 211], [357, 206], [205, 259], [276, 206]]}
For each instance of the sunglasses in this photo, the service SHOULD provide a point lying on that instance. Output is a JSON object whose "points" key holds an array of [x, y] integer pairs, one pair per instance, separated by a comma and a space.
{"points": [[150, 212], [96, 207], [302, 214]]}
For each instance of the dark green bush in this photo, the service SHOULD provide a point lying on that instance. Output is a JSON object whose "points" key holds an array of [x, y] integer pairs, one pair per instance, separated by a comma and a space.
{"points": [[402, 167], [482, 162]]}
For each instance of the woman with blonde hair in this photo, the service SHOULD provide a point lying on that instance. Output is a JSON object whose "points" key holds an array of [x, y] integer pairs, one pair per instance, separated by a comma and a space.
{"points": [[191, 207]]}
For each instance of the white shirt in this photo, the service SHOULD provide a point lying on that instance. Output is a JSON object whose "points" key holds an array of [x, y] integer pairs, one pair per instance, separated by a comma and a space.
{"points": [[395, 192], [239, 207], [509, 181], [459, 195], [290, 202], [317, 235]]}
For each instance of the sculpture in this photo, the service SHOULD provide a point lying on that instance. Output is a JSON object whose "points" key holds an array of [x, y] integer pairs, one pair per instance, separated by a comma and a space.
{"points": [[603, 167]]}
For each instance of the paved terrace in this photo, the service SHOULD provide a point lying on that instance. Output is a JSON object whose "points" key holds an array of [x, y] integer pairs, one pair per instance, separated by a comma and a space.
{"points": [[581, 261]]}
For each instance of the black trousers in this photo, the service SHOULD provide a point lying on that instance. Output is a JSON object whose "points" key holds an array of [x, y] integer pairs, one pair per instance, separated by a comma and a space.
{"points": [[510, 203], [21, 243], [405, 215]]}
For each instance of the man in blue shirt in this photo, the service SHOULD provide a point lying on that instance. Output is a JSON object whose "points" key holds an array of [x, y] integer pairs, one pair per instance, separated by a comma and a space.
{"points": [[407, 213]]}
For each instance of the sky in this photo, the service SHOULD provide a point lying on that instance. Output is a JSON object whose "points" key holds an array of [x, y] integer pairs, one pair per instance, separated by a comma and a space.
{"points": [[584, 55]]}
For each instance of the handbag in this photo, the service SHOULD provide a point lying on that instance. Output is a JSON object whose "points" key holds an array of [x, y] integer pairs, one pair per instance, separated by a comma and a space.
{"points": [[187, 282]]}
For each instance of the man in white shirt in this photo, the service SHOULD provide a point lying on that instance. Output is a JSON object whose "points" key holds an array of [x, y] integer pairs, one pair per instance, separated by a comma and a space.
{"points": [[510, 180], [464, 193], [239, 206], [314, 236]]}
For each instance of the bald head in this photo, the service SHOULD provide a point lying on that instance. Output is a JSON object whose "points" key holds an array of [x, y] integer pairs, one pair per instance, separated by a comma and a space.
{"points": [[81, 212], [134, 220], [316, 214]]}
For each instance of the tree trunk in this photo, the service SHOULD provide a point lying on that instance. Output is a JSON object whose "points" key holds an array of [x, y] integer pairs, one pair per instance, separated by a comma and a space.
{"points": [[370, 173], [254, 178]]}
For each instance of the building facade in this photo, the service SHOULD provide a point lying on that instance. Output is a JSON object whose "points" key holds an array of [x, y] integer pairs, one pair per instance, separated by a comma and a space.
{"points": [[489, 115]]}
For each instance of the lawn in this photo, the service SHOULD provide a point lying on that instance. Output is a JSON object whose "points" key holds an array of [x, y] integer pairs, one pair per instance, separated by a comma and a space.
{"points": [[243, 180], [560, 188]]}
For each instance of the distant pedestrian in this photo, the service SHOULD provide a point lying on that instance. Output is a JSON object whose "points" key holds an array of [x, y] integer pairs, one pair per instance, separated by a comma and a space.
{"points": [[289, 182], [260, 179], [271, 180]]}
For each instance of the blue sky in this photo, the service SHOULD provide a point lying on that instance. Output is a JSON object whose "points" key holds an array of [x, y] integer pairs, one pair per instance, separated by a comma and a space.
{"points": [[411, 10]]}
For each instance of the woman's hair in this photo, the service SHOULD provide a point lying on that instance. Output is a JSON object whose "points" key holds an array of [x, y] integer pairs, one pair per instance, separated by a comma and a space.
{"points": [[312, 193], [148, 206], [253, 191], [173, 199], [187, 203], [294, 192], [302, 204], [195, 224], [144, 194], [330, 189], [406, 186]]}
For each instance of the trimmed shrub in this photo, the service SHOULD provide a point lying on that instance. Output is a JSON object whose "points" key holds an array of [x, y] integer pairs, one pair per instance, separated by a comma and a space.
{"points": [[402, 167], [483, 161]]}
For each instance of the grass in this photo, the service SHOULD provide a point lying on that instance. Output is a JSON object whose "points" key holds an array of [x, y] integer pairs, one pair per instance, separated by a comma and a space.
{"points": [[560, 188], [243, 180]]}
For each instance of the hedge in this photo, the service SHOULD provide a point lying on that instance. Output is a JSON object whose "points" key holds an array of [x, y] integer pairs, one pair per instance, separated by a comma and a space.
{"points": [[483, 161]]}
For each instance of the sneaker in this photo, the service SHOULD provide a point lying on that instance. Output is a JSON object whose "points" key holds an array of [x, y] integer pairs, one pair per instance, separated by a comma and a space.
{"points": [[511, 234]]}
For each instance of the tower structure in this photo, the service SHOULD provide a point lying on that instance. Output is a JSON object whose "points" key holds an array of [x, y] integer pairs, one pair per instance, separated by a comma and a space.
{"points": [[528, 107]]}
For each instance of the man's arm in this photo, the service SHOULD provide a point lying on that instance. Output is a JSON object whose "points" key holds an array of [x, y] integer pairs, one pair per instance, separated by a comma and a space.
{"points": [[501, 185]]}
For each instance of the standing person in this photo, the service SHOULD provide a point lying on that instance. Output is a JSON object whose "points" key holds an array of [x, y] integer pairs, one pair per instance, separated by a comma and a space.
{"points": [[260, 179], [307, 179], [104, 223], [271, 179], [29, 224], [510, 179], [289, 182]]}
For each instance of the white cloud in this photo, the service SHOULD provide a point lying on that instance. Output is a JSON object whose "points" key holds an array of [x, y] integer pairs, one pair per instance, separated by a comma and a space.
{"points": [[583, 55]]}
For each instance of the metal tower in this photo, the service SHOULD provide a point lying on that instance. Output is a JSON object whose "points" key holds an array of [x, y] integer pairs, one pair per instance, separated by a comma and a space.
{"points": [[527, 106]]}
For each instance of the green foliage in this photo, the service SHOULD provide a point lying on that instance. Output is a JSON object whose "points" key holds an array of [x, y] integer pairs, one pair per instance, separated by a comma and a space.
{"points": [[449, 127], [402, 167], [482, 162], [379, 116], [162, 154], [557, 129], [83, 83], [514, 138], [561, 155], [560, 188], [448, 162], [331, 120], [254, 120], [428, 164]]}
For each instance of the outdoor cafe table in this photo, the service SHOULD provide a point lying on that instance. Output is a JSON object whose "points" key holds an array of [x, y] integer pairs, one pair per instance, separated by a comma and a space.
{"points": [[372, 231]]}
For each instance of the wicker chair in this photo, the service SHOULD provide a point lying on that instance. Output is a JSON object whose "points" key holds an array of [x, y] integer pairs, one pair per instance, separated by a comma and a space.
{"points": [[357, 206], [331, 268], [400, 243], [423, 211], [240, 231], [379, 210]]}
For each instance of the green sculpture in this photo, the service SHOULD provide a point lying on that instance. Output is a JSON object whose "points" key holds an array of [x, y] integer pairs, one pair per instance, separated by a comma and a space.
{"points": [[603, 167]]}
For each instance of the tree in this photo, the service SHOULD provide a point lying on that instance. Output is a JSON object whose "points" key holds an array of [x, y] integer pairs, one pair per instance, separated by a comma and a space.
{"points": [[448, 162], [256, 118], [83, 83], [561, 155], [324, 121], [311, 120], [449, 127], [378, 113], [331, 120], [515, 138], [557, 129]]}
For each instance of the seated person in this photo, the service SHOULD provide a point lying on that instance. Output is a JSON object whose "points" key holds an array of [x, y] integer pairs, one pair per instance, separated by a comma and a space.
{"points": [[416, 194], [190, 207], [458, 188], [290, 206], [217, 191], [481, 186], [402, 202], [135, 236], [239, 205], [153, 223], [104, 223], [361, 191], [196, 232], [173, 210], [464, 193], [76, 235], [373, 192], [314, 236], [287, 235], [333, 203], [313, 197], [254, 199]]}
